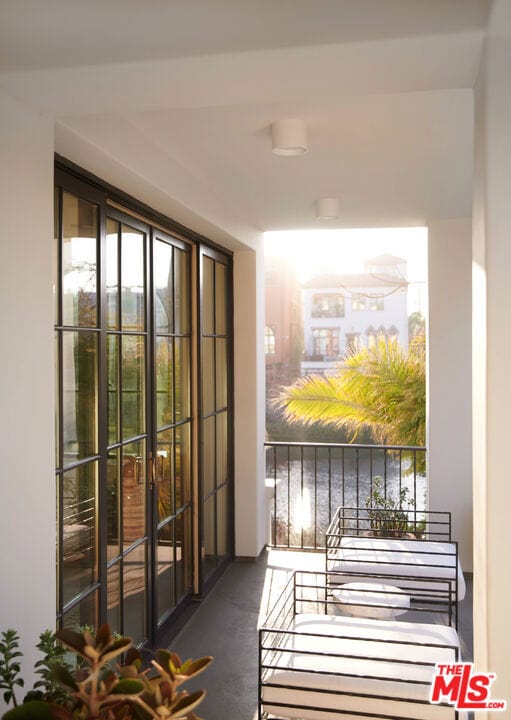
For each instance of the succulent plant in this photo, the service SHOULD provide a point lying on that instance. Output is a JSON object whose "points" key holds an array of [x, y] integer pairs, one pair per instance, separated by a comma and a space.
{"points": [[96, 691]]}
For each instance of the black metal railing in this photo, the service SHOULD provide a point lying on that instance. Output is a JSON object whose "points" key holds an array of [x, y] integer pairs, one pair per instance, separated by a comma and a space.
{"points": [[311, 480]]}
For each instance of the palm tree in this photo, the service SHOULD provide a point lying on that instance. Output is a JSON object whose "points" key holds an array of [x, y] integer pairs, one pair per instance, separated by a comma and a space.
{"points": [[382, 389]]}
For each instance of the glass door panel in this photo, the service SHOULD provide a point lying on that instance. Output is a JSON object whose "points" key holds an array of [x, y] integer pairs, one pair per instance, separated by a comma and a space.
{"points": [[79, 262], [134, 593], [133, 493], [79, 556], [215, 412], [133, 385], [77, 333], [127, 502], [173, 417]]}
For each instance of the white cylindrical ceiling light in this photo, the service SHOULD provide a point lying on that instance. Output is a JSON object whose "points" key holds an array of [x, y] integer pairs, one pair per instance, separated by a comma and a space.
{"points": [[327, 208], [289, 137]]}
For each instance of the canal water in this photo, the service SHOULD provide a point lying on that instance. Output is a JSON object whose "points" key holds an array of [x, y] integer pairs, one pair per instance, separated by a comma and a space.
{"points": [[309, 484]]}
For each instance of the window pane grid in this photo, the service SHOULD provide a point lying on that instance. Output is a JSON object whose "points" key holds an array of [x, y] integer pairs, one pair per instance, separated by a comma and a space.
{"points": [[105, 416]]}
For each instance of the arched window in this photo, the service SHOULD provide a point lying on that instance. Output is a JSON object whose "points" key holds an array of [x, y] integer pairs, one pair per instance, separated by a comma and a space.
{"points": [[371, 337], [269, 340], [393, 333]]}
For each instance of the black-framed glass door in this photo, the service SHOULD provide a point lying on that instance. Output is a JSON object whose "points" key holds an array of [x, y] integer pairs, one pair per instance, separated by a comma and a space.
{"points": [[172, 413], [129, 432], [143, 415], [216, 490]]}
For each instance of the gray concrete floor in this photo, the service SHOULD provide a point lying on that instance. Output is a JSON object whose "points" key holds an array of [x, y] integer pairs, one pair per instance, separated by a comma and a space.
{"points": [[225, 626]]}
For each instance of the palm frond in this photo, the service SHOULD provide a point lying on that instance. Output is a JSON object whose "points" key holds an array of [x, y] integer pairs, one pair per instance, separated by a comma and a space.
{"points": [[380, 388]]}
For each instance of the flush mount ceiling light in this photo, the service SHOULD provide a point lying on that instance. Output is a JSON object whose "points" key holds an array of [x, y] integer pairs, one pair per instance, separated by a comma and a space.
{"points": [[289, 137], [327, 208]]}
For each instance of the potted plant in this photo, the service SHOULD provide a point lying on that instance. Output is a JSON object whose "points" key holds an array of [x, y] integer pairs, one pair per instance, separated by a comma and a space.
{"points": [[388, 516], [94, 689]]}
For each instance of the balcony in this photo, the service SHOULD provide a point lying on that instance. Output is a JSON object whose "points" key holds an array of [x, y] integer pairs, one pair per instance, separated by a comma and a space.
{"points": [[306, 482]]}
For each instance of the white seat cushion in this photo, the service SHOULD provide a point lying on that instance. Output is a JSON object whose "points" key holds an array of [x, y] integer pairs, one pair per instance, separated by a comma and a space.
{"points": [[392, 556], [318, 673]]}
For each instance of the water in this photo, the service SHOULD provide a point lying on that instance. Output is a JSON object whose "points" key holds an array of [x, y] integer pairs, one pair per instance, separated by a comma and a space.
{"points": [[311, 483]]}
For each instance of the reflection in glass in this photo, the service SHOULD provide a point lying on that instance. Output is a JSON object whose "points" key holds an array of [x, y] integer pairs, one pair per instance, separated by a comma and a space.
{"points": [[208, 375], [112, 274], [209, 550], [208, 307], [163, 287], [112, 363], [182, 291], [84, 613], [134, 594], [133, 385], [208, 455], [222, 524], [220, 298], [132, 279], [79, 262], [133, 491], [164, 461], [164, 381], [183, 407], [56, 248], [57, 402], [183, 532], [221, 373], [79, 521], [113, 598], [113, 501], [182, 466], [165, 569], [79, 375], [221, 448]]}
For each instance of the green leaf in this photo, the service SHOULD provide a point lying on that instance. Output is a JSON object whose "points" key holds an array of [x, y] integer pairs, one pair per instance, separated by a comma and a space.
{"points": [[186, 703], [133, 657], [32, 710], [115, 649], [72, 640], [103, 636], [196, 666], [64, 677], [127, 686], [164, 658]]}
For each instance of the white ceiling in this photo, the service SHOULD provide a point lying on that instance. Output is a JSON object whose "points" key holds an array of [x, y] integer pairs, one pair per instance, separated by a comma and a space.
{"points": [[67, 33], [173, 100]]}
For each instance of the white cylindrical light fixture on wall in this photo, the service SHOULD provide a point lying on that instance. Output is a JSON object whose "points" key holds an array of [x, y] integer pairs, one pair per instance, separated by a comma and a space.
{"points": [[327, 208], [289, 137]]}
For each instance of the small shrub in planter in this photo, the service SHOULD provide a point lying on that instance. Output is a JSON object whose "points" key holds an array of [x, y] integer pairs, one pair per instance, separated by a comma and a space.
{"points": [[388, 517]]}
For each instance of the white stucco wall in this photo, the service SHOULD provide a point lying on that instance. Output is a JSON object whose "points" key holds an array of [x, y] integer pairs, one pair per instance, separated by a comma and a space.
{"points": [[27, 486], [492, 384], [250, 497], [449, 432]]}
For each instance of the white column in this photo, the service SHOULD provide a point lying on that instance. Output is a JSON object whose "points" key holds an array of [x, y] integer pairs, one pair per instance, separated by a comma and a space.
{"points": [[450, 376], [492, 359], [249, 424], [27, 485]]}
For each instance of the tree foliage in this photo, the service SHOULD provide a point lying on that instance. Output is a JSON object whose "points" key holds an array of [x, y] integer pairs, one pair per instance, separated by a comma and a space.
{"points": [[382, 389]]}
